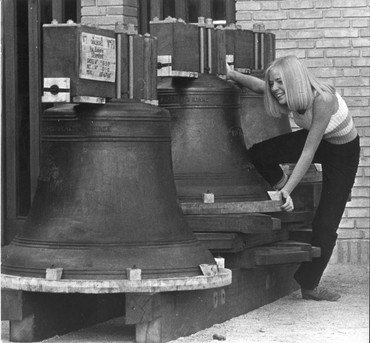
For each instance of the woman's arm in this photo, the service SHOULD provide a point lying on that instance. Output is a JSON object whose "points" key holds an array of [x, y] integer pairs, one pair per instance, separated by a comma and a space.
{"points": [[253, 83], [323, 108]]}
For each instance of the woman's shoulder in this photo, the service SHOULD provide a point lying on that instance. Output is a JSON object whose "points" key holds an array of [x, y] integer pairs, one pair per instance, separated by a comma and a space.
{"points": [[326, 98], [327, 101]]}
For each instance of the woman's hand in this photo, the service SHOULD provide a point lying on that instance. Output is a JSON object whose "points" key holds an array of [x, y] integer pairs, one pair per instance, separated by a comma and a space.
{"points": [[288, 205], [228, 71]]}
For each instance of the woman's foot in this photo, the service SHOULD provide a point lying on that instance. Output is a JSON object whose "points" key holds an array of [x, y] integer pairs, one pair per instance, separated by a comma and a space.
{"points": [[319, 294]]}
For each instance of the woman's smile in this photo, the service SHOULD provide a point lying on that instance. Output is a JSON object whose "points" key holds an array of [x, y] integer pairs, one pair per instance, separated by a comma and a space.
{"points": [[277, 87]]}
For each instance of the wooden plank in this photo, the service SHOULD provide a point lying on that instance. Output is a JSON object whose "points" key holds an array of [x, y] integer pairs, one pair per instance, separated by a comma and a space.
{"points": [[165, 35], [221, 242], [293, 217], [245, 223], [301, 235], [280, 255], [314, 251], [139, 77], [35, 75], [182, 9], [231, 207], [10, 114], [230, 11], [149, 332], [186, 52], [244, 49], [295, 220], [156, 9], [234, 242], [273, 254], [11, 304], [205, 9], [124, 69], [256, 240], [141, 308], [154, 52], [269, 46], [147, 65], [218, 52], [276, 223], [143, 16], [57, 10], [104, 286], [78, 11]]}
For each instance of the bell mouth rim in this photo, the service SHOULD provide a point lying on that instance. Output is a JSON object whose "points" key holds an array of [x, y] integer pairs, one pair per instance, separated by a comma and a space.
{"points": [[33, 284]]}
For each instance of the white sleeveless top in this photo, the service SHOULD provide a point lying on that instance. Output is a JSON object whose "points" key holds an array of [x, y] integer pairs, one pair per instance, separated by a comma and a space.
{"points": [[340, 129]]}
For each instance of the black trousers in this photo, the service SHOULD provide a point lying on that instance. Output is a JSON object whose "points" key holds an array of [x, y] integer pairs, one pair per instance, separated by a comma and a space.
{"points": [[339, 167]]}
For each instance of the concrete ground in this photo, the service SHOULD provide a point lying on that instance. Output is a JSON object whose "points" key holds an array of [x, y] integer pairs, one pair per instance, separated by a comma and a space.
{"points": [[287, 320]]}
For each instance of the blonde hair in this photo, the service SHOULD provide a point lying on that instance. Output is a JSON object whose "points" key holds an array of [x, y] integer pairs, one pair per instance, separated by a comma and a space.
{"points": [[299, 86]]}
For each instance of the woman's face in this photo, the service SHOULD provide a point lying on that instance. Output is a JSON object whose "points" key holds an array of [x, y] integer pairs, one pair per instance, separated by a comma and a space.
{"points": [[277, 87]]}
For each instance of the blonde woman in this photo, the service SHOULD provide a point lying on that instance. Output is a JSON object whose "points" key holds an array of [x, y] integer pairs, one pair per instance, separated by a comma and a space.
{"points": [[328, 136]]}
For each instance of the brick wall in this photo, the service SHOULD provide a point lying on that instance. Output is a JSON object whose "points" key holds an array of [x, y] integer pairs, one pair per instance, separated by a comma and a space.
{"points": [[333, 39], [105, 13]]}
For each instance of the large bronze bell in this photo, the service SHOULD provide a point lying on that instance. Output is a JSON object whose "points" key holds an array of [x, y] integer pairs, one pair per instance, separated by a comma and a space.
{"points": [[106, 198], [208, 150], [257, 125]]}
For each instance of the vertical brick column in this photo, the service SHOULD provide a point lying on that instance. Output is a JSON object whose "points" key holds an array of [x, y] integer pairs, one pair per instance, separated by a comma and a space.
{"points": [[105, 13], [333, 39]]}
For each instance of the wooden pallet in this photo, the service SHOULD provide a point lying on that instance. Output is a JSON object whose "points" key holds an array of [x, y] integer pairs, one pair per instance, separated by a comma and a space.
{"points": [[156, 317]]}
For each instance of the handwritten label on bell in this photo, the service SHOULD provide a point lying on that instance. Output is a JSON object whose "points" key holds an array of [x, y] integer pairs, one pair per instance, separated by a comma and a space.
{"points": [[97, 57]]}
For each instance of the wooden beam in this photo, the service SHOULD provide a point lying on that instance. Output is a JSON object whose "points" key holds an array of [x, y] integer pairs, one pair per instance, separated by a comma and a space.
{"points": [[280, 255], [156, 9], [221, 242], [10, 107], [205, 9], [78, 11], [182, 9], [35, 77], [230, 11], [57, 10], [238, 223], [143, 16], [231, 207]]}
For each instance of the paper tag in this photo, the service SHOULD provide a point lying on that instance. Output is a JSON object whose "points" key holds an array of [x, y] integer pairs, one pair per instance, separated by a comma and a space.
{"points": [[220, 262], [318, 167], [274, 195]]}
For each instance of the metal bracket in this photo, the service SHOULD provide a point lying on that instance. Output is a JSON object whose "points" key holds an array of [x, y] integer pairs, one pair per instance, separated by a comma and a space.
{"points": [[56, 89]]}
